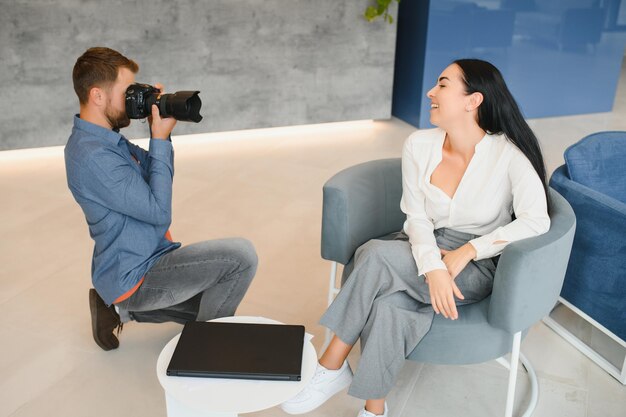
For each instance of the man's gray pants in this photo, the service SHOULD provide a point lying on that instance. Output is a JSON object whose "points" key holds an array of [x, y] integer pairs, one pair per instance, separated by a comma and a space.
{"points": [[199, 282], [386, 303]]}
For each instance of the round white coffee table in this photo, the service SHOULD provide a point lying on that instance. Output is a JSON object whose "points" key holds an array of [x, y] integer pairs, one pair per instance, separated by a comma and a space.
{"points": [[217, 397]]}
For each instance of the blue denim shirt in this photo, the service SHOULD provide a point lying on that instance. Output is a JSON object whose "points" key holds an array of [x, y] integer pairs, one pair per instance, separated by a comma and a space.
{"points": [[127, 203]]}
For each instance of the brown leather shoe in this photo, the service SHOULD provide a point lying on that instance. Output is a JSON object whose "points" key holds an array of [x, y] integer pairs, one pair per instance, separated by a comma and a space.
{"points": [[103, 321]]}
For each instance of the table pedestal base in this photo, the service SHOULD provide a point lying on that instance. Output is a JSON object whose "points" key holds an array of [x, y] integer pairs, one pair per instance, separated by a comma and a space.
{"points": [[177, 409]]}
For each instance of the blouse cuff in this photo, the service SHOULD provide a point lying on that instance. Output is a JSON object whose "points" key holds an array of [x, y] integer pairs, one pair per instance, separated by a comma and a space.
{"points": [[486, 247], [429, 263]]}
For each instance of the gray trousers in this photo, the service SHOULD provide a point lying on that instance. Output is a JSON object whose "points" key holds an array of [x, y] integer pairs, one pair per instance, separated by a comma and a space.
{"points": [[200, 282], [386, 303]]}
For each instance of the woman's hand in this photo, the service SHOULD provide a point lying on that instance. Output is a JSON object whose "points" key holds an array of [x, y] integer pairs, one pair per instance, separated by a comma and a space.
{"points": [[458, 259], [442, 291]]}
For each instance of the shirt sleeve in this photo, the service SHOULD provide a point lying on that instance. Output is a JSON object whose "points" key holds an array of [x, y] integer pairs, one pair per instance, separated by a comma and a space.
{"points": [[142, 156], [418, 227], [530, 208], [112, 181]]}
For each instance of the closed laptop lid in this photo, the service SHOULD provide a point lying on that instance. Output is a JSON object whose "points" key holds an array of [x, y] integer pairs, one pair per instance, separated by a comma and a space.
{"points": [[239, 350]]}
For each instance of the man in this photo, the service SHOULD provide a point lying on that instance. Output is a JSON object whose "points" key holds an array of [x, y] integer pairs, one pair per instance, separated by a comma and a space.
{"points": [[126, 195]]}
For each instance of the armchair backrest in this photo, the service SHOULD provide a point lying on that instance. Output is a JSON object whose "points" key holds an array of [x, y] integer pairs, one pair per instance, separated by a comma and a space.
{"points": [[531, 271], [597, 162], [360, 203]]}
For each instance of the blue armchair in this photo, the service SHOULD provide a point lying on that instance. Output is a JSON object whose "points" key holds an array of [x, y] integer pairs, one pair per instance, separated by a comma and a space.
{"points": [[593, 181]]}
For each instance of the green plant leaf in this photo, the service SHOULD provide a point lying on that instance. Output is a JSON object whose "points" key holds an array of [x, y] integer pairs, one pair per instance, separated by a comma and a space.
{"points": [[371, 13], [382, 9]]}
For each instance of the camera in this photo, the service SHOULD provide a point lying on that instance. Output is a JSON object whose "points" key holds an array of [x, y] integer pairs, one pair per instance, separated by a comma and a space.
{"points": [[182, 105]]}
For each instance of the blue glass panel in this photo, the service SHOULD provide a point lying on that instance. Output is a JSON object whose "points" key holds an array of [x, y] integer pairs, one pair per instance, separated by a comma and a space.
{"points": [[559, 57]]}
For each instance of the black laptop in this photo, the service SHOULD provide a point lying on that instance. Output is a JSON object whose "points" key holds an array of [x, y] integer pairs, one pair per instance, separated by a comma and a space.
{"points": [[239, 350]]}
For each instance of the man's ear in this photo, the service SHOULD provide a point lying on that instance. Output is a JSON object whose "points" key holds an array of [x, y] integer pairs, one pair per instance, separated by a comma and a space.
{"points": [[97, 96], [475, 100]]}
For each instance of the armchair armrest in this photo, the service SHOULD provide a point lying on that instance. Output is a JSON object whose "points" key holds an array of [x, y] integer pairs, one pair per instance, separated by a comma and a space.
{"points": [[361, 203], [530, 272]]}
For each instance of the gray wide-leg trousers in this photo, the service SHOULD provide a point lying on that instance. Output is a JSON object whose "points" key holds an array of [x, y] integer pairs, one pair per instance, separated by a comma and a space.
{"points": [[201, 282], [386, 303]]}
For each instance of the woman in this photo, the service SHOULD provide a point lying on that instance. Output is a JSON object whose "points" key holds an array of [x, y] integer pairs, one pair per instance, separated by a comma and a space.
{"points": [[470, 187]]}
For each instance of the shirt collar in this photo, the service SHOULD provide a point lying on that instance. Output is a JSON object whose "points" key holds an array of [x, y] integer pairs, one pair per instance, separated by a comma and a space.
{"points": [[488, 140], [483, 143], [109, 135]]}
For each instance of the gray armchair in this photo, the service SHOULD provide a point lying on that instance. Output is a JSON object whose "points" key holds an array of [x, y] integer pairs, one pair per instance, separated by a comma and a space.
{"points": [[363, 203]]}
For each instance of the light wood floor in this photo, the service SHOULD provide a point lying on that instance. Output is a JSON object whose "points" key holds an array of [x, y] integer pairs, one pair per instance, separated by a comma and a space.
{"points": [[265, 186]]}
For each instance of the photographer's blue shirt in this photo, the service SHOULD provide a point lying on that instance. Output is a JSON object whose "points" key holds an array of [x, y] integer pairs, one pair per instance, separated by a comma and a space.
{"points": [[126, 196]]}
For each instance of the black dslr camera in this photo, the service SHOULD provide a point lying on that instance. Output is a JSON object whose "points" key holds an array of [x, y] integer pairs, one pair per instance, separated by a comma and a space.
{"points": [[182, 105]]}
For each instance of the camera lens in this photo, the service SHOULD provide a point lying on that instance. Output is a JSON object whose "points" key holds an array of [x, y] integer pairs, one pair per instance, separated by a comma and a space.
{"points": [[182, 105]]}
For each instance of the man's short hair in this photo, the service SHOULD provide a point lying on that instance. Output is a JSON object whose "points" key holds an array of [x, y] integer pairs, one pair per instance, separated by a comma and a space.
{"points": [[98, 67]]}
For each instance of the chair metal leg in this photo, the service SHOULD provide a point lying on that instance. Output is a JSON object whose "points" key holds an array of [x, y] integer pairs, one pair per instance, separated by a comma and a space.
{"points": [[517, 356], [332, 292], [534, 386], [616, 372], [510, 396], [332, 284]]}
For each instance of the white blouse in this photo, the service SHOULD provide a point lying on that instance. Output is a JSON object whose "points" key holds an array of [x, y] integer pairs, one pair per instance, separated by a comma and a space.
{"points": [[498, 182]]}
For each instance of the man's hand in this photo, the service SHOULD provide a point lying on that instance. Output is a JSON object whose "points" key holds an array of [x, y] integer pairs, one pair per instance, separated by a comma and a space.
{"points": [[458, 259], [160, 128], [442, 291]]}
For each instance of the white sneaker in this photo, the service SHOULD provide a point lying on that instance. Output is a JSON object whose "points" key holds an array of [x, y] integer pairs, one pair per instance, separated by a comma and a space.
{"points": [[324, 384], [365, 413]]}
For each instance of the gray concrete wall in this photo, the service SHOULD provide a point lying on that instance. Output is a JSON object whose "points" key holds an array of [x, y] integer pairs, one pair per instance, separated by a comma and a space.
{"points": [[258, 63]]}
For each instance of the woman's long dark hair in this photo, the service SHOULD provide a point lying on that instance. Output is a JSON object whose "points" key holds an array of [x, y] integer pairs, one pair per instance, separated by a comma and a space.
{"points": [[499, 113]]}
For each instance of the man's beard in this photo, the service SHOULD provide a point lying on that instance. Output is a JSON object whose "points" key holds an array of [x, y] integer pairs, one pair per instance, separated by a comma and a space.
{"points": [[117, 120]]}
